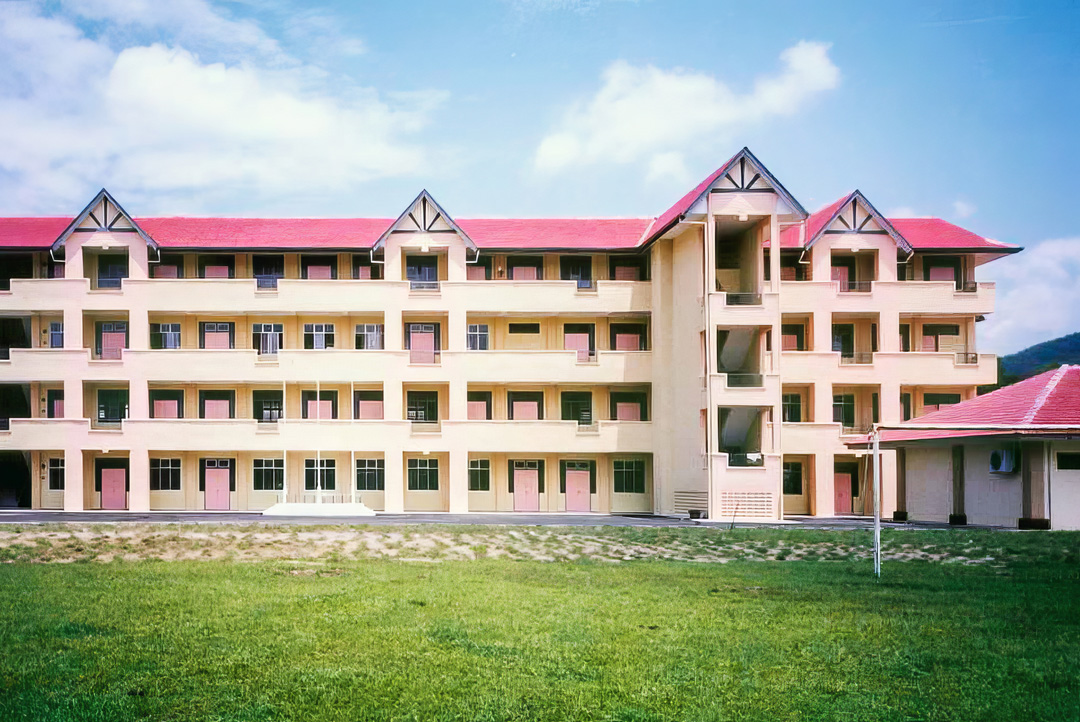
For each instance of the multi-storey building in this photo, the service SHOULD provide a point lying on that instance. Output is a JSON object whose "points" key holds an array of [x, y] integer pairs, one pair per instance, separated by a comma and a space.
{"points": [[712, 359]]}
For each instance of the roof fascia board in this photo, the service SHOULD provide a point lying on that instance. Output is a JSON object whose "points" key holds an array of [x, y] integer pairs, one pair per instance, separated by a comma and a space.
{"points": [[378, 245], [874, 213]]}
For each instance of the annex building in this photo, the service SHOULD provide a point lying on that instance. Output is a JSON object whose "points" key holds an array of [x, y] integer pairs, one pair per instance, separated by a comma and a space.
{"points": [[714, 359]]}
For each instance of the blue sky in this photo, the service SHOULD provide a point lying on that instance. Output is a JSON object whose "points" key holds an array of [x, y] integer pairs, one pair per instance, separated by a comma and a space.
{"points": [[965, 111]]}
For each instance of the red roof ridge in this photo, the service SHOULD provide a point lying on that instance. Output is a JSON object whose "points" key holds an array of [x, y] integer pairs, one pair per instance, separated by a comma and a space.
{"points": [[1044, 395]]}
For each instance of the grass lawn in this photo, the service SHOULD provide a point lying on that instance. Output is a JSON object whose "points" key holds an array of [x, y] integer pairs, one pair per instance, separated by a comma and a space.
{"points": [[352, 638]]}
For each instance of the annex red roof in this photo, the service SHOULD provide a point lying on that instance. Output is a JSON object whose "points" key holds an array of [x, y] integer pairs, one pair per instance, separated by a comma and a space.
{"points": [[31, 232], [682, 205], [555, 232], [182, 232]]}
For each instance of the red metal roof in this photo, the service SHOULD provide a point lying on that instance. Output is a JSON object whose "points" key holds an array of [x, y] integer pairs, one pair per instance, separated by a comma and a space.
{"points": [[181, 232], [585, 233], [683, 204], [31, 232]]}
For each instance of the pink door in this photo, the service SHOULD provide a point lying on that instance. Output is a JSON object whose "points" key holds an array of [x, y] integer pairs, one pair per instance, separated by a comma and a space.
{"points": [[216, 272], [422, 347], [577, 342], [58, 408], [789, 342], [627, 411], [216, 409], [524, 273], [526, 490], [524, 411], [842, 489], [840, 273], [320, 409], [216, 339], [166, 409], [111, 344], [165, 272], [476, 273], [577, 490], [363, 272], [627, 273], [939, 273], [217, 489], [627, 342], [370, 409], [113, 489], [478, 410], [318, 272]]}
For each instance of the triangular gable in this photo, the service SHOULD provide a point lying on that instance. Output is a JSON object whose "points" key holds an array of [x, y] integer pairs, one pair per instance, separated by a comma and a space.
{"points": [[744, 173], [852, 214], [102, 215], [424, 215]]}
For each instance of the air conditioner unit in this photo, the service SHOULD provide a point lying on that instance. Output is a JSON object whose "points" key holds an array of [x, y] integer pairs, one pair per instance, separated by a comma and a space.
{"points": [[1002, 461]]}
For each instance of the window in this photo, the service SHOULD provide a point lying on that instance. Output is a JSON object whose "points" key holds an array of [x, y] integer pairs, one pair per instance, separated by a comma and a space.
{"points": [[422, 406], [423, 474], [318, 335], [164, 335], [790, 268], [477, 338], [629, 476], [217, 404], [267, 338], [166, 403], [111, 339], [525, 405], [327, 471], [844, 410], [368, 405], [905, 405], [369, 336], [628, 337], [364, 268], [793, 337], [479, 475], [943, 268], [905, 337], [169, 265], [268, 474], [54, 403], [933, 334], [523, 328], [875, 408], [267, 406], [525, 268], [112, 405], [422, 272], [791, 408], [843, 271], [56, 473], [164, 474], [56, 335], [370, 475], [216, 266], [423, 340], [629, 406], [576, 268], [793, 478], [322, 267], [479, 405], [216, 335], [1066, 461], [325, 407], [577, 406], [933, 401], [112, 269], [267, 270], [843, 338], [628, 268]]}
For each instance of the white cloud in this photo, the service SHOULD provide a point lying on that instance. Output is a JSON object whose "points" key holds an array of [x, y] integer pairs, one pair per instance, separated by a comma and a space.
{"points": [[155, 120], [642, 113], [1038, 296], [901, 212], [962, 209]]}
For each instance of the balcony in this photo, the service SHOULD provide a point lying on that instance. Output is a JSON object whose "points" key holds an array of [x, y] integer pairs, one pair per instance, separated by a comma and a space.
{"points": [[904, 367], [856, 357], [916, 297]]}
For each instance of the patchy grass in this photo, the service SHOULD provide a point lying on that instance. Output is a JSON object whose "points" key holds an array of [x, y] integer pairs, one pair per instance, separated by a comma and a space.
{"points": [[496, 635]]}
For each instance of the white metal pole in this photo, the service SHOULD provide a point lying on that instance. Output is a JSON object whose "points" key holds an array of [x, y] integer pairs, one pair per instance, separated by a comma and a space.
{"points": [[318, 456], [351, 476], [877, 502]]}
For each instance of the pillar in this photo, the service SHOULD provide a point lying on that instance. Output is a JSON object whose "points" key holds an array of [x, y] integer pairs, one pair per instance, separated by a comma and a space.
{"points": [[459, 481], [73, 331], [394, 483], [74, 493], [139, 480], [1033, 467], [824, 495], [958, 516]]}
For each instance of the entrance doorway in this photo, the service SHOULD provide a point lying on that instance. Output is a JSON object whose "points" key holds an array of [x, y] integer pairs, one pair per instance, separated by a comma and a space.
{"points": [[526, 486], [112, 482], [845, 485]]}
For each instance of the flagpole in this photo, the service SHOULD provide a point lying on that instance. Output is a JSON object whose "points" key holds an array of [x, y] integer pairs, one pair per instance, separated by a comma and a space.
{"points": [[876, 435]]}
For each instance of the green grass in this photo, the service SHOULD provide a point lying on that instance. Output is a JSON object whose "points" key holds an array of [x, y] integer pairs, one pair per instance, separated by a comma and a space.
{"points": [[491, 639]]}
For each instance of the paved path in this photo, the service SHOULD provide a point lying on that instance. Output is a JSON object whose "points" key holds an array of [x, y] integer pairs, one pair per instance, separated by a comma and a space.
{"points": [[27, 516]]}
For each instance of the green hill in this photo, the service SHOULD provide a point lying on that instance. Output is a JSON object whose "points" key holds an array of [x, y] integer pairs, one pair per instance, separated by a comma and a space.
{"points": [[1040, 357]]}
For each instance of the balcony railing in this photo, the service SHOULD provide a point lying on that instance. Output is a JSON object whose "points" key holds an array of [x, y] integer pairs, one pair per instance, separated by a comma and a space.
{"points": [[857, 287], [967, 287], [741, 380], [857, 357], [424, 285], [266, 281], [744, 299], [963, 357], [745, 458]]}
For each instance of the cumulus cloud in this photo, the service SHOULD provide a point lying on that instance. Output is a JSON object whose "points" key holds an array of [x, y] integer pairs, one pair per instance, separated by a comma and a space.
{"points": [[645, 113], [901, 212], [158, 119], [962, 209], [1038, 297]]}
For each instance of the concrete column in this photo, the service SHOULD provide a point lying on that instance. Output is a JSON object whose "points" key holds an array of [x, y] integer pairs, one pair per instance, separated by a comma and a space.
{"points": [[824, 496], [823, 394], [74, 493], [900, 513], [459, 481], [138, 399], [393, 330], [73, 398], [138, 329], [822, 322], [821, 262], [774, 253], [458, 400], [456, 328], [889, 503], [139, 481], [889, 329], [394, 487], [958, 514], [393, 402], [73, 329]]}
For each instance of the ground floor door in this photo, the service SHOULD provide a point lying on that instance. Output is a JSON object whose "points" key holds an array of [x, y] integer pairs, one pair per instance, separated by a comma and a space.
{"points": [[577, 490], [217, 489], [796, 490], [526, 490], [114, 488], [845, 480]]}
